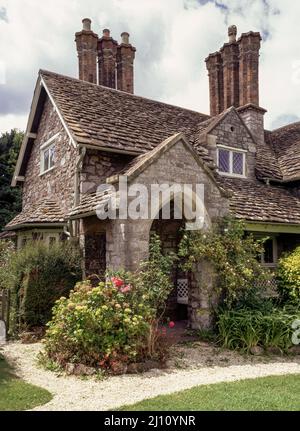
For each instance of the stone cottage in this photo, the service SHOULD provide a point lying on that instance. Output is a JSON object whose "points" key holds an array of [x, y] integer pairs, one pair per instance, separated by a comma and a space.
{"points": [[87, 132]]}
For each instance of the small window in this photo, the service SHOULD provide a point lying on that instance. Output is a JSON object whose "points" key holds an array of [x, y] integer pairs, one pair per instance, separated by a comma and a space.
{"points": [[48, 158], [231, 162], [48, 154]]}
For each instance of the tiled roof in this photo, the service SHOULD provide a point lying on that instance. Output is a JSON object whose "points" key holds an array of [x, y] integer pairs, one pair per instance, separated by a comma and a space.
{"points": [[113, 119], [43, 212], [286, 144], [89, 204], [255, 201], [280, 158]]}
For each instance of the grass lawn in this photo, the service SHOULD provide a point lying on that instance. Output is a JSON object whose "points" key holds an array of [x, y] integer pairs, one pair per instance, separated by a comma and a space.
{"points": [[15, 394], [267, 393]]}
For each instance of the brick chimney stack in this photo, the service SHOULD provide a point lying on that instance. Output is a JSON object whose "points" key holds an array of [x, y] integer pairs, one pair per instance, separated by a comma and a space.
{"points": [[86, 43], [216, 90], [234, 72], [107, 54], [125, 70], [234, 80], [249, 45], [230, 59]]}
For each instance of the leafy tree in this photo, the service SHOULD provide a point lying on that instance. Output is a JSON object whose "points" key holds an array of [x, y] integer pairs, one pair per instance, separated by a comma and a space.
{"points": [[10, 198]]}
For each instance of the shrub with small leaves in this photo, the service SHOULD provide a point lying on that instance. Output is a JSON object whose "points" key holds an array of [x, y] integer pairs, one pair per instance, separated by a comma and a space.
{"points": [[288, 277]]}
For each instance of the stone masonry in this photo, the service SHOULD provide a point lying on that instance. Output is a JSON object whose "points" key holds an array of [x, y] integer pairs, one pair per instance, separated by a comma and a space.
{"points": [[58, 183]]}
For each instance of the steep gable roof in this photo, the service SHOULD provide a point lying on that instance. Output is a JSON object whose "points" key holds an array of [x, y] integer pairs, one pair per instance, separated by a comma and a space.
{"points": [[112, 119], [105, 118]]}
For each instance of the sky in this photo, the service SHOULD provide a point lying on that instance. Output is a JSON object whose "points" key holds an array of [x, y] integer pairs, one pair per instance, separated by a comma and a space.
{"points": [[172, 37]]}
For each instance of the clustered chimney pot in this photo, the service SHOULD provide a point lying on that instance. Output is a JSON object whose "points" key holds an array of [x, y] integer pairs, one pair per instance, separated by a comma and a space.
{"points": [[86, 24], [125, 38], [232, 33], [106, 32]]}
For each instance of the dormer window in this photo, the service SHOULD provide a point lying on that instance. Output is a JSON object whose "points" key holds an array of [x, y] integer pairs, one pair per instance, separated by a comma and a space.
{"points": [[48, 155], [231, 162]]}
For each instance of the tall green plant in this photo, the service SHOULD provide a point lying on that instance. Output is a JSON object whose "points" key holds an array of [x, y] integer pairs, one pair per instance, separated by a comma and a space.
{"points": [[39, 275]]}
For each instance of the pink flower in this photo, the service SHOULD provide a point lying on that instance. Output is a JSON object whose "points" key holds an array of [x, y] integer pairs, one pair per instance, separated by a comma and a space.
{"points": [[118, 282], [126, 289], [171, 325]]}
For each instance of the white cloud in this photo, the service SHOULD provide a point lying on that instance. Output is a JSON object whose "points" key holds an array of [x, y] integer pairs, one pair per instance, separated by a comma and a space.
{"points": [[172, 37]]}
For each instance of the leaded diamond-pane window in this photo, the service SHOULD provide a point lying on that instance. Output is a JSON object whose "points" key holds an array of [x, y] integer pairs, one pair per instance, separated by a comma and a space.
{"points": [[237, 163], [231, 162], [224, 162]]}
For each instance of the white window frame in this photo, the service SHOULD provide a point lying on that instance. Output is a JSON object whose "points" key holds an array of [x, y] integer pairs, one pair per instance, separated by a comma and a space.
{"points": [[232, 150], [46, 147]]}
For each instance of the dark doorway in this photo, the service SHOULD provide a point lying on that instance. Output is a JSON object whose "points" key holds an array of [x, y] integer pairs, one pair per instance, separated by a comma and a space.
{"points": [[170, 233]]}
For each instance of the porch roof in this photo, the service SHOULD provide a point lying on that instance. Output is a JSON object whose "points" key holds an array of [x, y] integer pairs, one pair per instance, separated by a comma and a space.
{"points": [[44, 212]]}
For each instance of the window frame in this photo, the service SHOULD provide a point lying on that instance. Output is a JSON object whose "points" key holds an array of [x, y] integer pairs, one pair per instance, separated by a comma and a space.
{"points": [[47, 146], [232, 150], [275, 254]]}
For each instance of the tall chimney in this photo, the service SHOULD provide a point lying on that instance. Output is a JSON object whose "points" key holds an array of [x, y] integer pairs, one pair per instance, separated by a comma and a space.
{"points": [[216, 89], [125, 70], [249, 45], [86, 43], [230, 58], [107, 53]]}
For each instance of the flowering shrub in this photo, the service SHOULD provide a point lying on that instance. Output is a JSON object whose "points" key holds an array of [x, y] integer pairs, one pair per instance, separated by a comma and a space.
{"points": [[97, 326], [288, 277], [115, 322]]}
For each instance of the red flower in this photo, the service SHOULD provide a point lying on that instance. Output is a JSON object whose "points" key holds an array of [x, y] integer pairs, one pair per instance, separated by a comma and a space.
{"points": [[118, 282], [126, 289], [171, 325]]}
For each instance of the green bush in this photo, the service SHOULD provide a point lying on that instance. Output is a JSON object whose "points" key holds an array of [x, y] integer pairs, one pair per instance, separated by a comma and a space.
{"points": [[235, 257], [245, 328], [38, 276], [288, 277], [7, 249], [116, 322]]}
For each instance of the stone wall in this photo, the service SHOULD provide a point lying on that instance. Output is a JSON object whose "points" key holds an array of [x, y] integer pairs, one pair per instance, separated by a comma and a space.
{"points": [[128, 240], [57, 184], [231, 132], [97, 166]]}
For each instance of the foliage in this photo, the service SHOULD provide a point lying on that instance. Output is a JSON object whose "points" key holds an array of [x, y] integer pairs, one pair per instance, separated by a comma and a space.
{"points": [[38, 276], [10, 198], [153, 276], [262, 394], [234, 256], [288, 277], [246, 328], [115, 322], [98, 326], [7, 250]]}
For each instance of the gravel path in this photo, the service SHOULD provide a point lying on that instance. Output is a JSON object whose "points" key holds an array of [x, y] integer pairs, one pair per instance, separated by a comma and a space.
{"points": [[187, 370]]}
